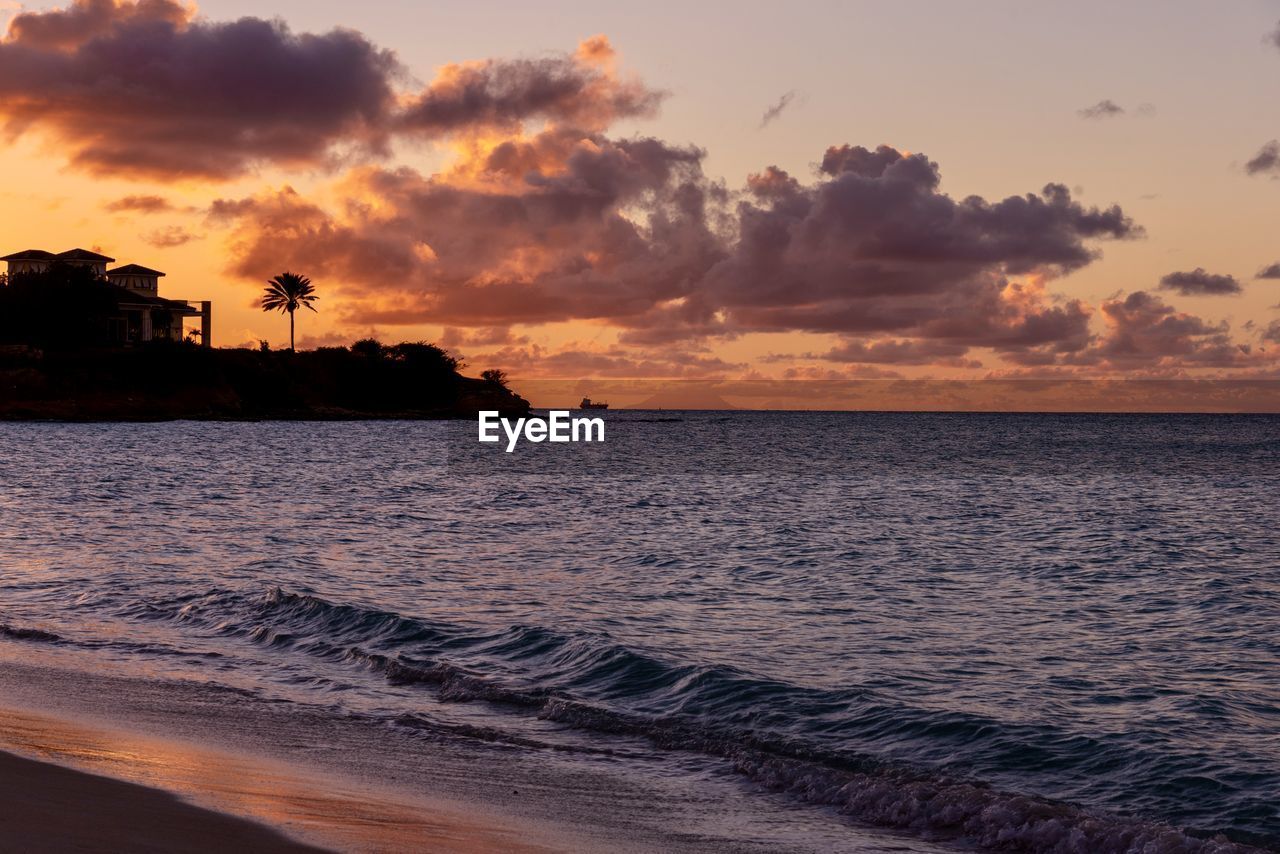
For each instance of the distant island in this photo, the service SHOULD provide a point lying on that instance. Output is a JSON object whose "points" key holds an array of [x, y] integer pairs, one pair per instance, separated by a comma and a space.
{"points": [[77, 344]]}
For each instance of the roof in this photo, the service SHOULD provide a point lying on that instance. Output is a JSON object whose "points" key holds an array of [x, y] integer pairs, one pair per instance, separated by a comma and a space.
{"points": [[134, 270], [81, 255], [30, 255]]}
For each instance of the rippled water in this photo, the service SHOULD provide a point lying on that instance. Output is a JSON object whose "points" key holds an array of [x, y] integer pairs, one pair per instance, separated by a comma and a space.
{"points": [[1009, 631]]}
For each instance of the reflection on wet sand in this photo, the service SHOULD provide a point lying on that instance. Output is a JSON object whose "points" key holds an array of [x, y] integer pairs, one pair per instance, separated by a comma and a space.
{"points": [[331, 813]]}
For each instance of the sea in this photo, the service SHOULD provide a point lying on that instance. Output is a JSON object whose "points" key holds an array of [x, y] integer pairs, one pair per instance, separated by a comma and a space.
{"points": [[1025, 632]]}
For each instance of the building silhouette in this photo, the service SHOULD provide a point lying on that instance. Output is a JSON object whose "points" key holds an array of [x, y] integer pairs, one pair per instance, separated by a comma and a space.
{"points": [[142, 314]]}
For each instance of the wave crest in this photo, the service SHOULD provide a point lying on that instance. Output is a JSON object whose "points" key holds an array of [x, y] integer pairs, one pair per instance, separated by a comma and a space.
{"points": [[865, 788]]}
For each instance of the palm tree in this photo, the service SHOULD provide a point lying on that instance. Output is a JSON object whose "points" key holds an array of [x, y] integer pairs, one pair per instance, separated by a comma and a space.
{"points": [[286, 292]]}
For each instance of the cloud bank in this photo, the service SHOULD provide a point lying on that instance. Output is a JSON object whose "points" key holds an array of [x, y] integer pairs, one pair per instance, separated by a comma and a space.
{"points": [[149, 89], [570, 225], [545, 214]]}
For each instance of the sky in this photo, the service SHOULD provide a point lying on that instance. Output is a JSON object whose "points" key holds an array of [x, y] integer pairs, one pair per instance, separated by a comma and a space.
{"points": [[812, 190]]}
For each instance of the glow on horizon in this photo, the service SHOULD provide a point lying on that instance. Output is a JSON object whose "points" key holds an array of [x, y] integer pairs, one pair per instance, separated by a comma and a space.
{"points": [[951, 93]]}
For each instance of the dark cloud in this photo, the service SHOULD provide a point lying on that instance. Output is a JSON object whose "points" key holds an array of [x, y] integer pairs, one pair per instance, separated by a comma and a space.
{"points": [[145, 89], [877, 249], [771, 114], [1104, 109], [1271, 271], [583, 91], [70, 28], [140, 204], [568, 225], [1198, 282], [1274, 36], [1266, 160], [870, 164], [1146, 333], [1272, 332]]}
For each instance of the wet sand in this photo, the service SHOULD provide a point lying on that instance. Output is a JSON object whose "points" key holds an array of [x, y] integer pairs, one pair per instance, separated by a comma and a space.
{"points": [[303, 776], [163, 795], [50, 808]]}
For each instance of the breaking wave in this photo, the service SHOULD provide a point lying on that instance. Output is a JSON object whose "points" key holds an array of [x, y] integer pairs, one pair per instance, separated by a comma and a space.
{"points": [[28, 634], [838, 748]]}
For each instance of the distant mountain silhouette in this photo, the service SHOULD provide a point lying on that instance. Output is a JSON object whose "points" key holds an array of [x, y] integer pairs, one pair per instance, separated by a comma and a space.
{"points": [[684, 396]]}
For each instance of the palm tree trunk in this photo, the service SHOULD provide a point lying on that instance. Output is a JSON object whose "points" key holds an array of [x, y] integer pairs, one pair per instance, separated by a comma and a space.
{"points": [[291, 350]]}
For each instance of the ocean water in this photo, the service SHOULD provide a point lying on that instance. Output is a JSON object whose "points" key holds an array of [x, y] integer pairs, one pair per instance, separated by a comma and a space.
{"points": [[1014, 632]]}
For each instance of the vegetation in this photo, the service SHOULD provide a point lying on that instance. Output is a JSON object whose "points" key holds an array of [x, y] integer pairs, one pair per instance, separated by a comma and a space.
{"points": [[164, 380], [63, 307], [287, 293], [57, 361]]}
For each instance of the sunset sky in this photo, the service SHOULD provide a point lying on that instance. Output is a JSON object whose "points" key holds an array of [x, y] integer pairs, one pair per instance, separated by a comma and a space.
{"points": [[660, 189]]}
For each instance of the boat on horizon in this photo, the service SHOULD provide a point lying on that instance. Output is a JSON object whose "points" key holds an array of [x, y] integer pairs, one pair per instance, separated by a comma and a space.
{"points": [[588, 403]]}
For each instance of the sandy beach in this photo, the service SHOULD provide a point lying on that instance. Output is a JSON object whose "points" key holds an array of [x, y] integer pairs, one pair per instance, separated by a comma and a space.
{"points": [[189, 760], [48, 807], [91, 788]]}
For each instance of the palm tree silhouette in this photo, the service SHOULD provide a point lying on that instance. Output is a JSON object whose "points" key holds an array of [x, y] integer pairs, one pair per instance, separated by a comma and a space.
{"points": [[285, 293]]}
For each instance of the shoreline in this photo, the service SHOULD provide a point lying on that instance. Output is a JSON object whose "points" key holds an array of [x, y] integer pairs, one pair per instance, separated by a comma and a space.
{"points": [[52, 807], [72, 785], [343, 782]]}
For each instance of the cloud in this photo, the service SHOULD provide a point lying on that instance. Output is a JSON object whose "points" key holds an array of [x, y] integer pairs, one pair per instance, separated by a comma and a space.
{"points": [[170, 236], [1271, 271], [453, 337], [1266, 160], [570, 225], [70, 28], [145, 89], [901, 352], [1198, 282], [1108, 109], [563, 225], [1104, 109], [139, 204], [617, 362], [582, 90], [876, 248], [1146, 333], [312, 341], [1274, 36], [771, 114]]}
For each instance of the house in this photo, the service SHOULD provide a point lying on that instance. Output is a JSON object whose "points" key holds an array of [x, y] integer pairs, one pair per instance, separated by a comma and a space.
{"points": [[142, 314]]}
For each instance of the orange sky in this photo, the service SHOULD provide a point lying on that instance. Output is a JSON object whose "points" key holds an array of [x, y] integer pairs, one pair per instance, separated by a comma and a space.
{"points": [[522, 232]]}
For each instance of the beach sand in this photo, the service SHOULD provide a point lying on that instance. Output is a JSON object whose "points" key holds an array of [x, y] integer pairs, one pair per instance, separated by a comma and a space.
{"points": [[109, 790], [188, 759], [50, 808]]}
